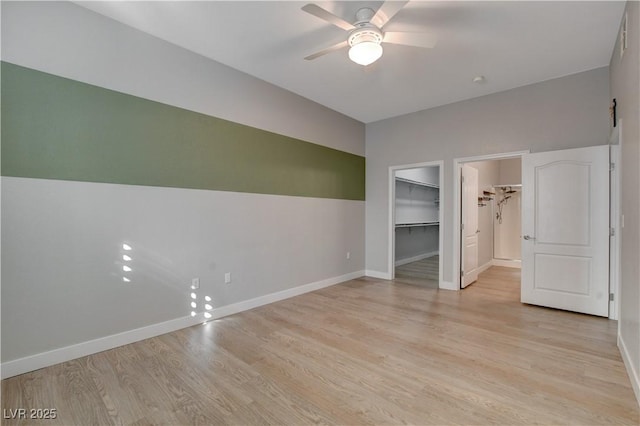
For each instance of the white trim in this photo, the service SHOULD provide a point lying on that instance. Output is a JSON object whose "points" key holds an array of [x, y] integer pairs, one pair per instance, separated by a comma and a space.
{"points": [[631, 371], [245, 305], [484, 267], [391, 223], [448, 285], [377, 274], [457, 164], [615, 142], [509, 263], [416, 258], [56, 356]]}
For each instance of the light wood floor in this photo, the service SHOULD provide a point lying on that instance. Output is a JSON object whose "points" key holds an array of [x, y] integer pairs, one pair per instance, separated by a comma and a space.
{"points": [[423, 272], [364, 352], [425, 268]]}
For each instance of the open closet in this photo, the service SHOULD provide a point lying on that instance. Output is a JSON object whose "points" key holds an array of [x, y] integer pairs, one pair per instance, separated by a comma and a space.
{"points": [[497, 217], [417, 226]]}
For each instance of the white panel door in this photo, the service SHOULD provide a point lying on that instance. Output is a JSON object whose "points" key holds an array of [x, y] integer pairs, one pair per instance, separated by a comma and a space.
{"points": [[469, 226], [565, 228]]}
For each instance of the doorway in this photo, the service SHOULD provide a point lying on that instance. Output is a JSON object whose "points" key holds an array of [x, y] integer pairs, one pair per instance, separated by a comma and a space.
{"points": [[490, 212], [415, 217], [565, 228]]}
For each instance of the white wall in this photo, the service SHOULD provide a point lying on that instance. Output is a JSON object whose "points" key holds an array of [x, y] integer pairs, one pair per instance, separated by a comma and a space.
{"points": [[567, 112], [507, 241], [487, 176], [507, 235], [510, 172], [625, 87], [61, 241]]}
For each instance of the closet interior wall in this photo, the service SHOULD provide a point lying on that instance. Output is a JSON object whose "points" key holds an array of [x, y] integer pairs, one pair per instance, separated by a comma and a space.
{"points": [[498, 240], [416, 214], [507, 217]]}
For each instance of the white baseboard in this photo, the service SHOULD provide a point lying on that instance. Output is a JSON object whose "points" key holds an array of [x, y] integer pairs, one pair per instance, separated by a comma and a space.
{"points": [[281, 295], [448, 285], [486, 266], [507, 263], [56, 356], [377, 274], [415, 258], [631, 370]]}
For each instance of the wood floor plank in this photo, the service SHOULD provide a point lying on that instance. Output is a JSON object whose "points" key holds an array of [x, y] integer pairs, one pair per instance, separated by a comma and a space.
{"points": [[426, 269], [365, 352]]}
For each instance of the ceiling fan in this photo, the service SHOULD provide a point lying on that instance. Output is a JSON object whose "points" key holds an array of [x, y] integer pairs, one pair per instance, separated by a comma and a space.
{"points": [[367, 33]]}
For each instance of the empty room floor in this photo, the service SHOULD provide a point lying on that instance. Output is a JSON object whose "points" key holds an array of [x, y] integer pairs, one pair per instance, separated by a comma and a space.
{"points": [[422, 272], [366, 351]]}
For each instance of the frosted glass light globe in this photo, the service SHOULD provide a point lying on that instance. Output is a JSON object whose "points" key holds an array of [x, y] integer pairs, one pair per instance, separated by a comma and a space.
{"points": [[365, 53]]}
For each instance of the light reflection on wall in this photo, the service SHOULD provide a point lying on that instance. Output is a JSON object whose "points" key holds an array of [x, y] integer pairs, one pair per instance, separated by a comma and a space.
{"points": [[128, 269], [207, 306], [126, 258]]}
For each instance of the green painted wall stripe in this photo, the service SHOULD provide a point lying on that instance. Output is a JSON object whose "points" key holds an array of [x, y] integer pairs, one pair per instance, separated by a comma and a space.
{"points": [[56, 128]]}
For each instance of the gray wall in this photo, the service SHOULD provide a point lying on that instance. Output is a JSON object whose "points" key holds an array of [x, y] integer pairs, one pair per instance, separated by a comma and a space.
{"points": [[625, 86], [62, 281], [567, 112], [416, 243]]}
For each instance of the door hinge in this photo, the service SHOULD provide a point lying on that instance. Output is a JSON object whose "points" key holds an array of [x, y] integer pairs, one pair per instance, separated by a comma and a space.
{"points": [[462, 226], [612, 166], [611, 297], [461, 273], [462, 179], [612, 232]]}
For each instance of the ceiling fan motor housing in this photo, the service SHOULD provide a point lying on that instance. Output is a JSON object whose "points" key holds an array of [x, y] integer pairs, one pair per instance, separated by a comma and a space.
{"points": [[365, 33]]}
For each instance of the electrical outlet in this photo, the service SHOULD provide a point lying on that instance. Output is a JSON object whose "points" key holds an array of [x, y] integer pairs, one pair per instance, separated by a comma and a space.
{"points": [[348, 255], [227, 277], [195, 283]]}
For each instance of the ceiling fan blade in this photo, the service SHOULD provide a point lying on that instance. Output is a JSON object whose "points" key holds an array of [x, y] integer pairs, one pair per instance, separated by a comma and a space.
{"points": [[410, 39], [325, 15], [387, 11], [327, 50]]}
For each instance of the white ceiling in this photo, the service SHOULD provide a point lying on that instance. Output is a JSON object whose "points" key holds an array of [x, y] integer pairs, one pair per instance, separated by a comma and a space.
{"points": [[511, 43]]}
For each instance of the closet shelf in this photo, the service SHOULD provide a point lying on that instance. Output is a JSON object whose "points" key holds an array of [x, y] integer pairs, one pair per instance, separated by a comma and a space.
{"points": [[414, 182], [416, 224], [515, 185]]}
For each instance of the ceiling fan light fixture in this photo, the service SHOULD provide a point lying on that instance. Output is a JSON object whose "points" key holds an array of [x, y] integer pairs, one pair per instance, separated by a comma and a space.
{"points": [[365, 45], [365, 53]]}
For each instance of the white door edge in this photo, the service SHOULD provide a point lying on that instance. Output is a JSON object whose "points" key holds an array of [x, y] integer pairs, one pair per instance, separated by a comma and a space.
{"points": [[615, 143]]}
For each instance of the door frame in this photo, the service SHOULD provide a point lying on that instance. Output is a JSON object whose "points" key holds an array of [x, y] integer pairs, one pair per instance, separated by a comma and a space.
{"points": [[392, 214], [615, 145], [457, 234]]}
